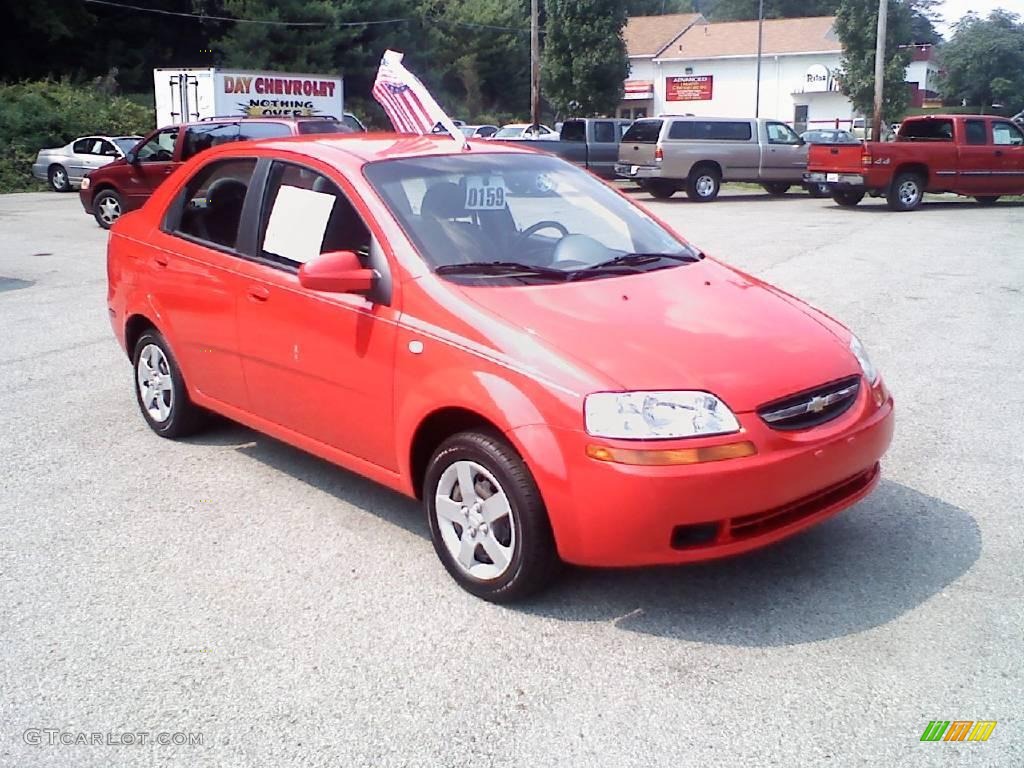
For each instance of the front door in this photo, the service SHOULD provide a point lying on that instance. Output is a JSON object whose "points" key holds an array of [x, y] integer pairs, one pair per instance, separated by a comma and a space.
{"points": [[785, 155], [154, 162], [319, 364], [1008, 144]]}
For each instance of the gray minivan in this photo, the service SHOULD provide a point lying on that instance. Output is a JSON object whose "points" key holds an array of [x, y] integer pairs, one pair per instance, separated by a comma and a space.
{"points": [[666, 154]]}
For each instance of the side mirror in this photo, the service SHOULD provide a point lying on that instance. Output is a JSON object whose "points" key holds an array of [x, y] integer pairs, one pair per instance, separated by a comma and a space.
{"points": [[337, 272], [131, 158]]}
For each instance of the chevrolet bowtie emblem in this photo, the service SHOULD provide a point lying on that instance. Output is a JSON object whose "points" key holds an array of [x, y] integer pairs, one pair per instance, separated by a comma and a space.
{"points": [[817, 404]]}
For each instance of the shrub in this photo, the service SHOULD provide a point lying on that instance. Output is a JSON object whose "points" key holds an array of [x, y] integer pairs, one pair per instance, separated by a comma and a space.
{"points": [[35, 115]]}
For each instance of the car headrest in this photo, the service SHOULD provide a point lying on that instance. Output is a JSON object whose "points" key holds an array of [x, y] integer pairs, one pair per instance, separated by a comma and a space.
{"points": [[226, 191], [445, 200]]}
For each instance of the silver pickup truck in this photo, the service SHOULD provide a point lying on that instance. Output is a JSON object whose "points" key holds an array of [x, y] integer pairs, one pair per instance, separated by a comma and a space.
{"points": [[698, 154]]}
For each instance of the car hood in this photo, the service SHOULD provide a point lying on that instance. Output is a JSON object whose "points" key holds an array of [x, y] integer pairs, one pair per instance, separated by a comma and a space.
{"points": [[698, 326]]}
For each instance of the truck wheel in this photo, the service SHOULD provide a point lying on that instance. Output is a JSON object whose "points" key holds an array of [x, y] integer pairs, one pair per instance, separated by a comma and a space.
{"points": [[987, 199], [906, 192], [776, 188], [107, 208], [703, 183], [487, 520], [660, 189], [847, 198], [59, 181]]}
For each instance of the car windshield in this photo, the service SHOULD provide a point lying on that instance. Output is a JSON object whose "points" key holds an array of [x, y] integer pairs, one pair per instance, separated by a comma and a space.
{"points": [[512, 218], [125, 143]]}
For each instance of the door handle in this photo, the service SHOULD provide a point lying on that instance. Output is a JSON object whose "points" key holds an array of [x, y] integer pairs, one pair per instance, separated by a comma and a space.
{"points": [[160, 261], [259, 293], [999, 153]]}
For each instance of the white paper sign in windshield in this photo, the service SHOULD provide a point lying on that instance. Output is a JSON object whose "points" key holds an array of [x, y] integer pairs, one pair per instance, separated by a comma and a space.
{"points": [[485, 193], [297, 223]]}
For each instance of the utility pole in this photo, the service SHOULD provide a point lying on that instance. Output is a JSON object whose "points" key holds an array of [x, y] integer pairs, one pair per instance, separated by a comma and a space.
{"points": [[535, 61], [757, 86], [876, 123]]}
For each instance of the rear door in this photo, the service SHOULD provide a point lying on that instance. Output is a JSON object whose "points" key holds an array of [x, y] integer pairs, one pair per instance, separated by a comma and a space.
{"points": [[784, 156], [1008, 143], [602, 148]]}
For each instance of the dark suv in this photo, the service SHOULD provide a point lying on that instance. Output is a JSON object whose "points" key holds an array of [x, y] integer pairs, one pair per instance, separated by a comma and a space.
{"points": [[126, 184]]}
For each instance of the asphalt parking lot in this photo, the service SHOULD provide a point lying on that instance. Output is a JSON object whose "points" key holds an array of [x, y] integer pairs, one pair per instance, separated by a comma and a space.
{"points": [[295, 614]]}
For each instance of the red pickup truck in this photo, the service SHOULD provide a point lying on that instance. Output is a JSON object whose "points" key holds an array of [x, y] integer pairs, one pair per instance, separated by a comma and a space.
{"points": [[976, 155]]}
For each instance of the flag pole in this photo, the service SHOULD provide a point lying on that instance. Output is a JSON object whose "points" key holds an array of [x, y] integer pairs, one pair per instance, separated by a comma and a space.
{"points": [[757, 86]]}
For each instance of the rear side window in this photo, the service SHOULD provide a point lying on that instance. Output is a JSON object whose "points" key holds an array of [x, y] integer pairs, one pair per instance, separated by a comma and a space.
{"points": [[82, 147], [323, 126], [604, 132], [574, 130], [643, 132], [927, 130], [706, 130], [250, 131], [212, 209], [976, 132], [199, 138]]}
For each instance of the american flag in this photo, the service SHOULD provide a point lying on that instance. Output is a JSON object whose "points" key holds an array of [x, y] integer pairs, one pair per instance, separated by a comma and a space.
{"points": [[407, 102]]}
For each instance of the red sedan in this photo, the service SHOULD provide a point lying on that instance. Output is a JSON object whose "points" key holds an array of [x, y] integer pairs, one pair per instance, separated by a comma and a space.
{"points": [[556, 374]]}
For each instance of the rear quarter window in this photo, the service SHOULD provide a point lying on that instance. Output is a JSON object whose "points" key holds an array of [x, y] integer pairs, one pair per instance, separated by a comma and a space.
{"points": [[643, 132]]}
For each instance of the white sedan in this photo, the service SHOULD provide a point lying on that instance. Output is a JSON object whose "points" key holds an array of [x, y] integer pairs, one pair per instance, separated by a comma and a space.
{"points": [[524, 131], [66, 166]]}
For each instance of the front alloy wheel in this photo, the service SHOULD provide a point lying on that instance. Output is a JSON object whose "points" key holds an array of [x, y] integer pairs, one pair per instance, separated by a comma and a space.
{"points": [[107, 208], [487, 520], [160, 389]]}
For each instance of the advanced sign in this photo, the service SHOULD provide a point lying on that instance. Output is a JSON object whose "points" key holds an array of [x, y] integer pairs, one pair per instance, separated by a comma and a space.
{"points": [[818, 79], [689, 88]]}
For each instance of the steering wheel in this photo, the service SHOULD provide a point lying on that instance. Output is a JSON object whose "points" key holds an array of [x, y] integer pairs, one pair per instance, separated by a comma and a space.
{"points": [[164, 155], [535, 228]]}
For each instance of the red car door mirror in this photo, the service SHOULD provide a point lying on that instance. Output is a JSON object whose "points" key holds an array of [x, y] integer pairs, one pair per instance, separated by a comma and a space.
{"points": [[336, 272]]}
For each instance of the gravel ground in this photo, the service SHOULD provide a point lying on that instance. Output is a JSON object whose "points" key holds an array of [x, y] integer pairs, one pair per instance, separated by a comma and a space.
{"points": [[295, 614]]}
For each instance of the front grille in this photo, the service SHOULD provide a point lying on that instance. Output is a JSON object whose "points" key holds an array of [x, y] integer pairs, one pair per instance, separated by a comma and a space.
{"points": [[811, 407]]}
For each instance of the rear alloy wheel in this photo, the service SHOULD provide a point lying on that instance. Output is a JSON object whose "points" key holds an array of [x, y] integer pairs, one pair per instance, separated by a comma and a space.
{"points": [[847, 198], [703, 184], [987, 199], [59, 181], [160, 390], [107, 208], [776, 188], [660, 189], [487, 521], [906, 192]]}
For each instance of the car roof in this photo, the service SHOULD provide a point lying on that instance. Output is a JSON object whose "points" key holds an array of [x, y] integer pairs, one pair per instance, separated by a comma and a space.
{"points": [[371, 147]]}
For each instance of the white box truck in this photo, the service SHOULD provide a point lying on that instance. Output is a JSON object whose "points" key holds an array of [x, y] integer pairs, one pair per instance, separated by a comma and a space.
{"points": [[187, 95]]}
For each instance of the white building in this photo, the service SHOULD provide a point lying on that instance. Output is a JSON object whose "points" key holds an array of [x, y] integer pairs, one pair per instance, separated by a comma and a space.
{"points": [[681, 64]]}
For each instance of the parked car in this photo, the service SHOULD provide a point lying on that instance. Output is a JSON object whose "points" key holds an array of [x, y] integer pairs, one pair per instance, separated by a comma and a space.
{"points": [[127, 183], [523, 131], [374, 301], [828, 136], [478, 131], [65, 167], [591, 143], [698, 154], [976, 155]]}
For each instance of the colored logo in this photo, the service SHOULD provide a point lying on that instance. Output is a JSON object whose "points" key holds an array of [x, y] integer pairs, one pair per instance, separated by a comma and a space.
{"points": [[958, 730]]}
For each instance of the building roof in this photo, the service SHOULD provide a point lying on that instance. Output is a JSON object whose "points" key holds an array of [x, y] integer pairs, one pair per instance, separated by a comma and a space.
{"points": [[739, 38], [649, 35]]}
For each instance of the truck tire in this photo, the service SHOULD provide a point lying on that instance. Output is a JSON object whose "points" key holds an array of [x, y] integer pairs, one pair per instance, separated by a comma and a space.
{"points": [[847, 198], [817, 190], [703, 183], [776, 188], [906, 192], [987, 199], [660, 188]]}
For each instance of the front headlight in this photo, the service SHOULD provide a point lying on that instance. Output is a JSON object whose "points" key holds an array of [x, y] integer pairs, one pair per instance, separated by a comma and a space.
{"points": [[870, 372], [652, 415], [86, 183]]}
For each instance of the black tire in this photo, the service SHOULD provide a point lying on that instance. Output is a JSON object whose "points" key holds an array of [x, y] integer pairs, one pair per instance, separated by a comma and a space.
{"points": [[987, 199], [534, 561], [660, 189], [776, 188], [107, 207], [906, 192], [58, 176], [847, 198], [817, 190], [703, 183], [184, 417]]}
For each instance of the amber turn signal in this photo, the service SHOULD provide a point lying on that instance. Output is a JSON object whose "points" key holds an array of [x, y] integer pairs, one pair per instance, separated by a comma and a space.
{"points": [[661, 458]]}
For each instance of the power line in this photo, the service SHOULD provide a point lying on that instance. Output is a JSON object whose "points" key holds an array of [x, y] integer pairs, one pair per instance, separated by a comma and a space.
{"points": [[266, 22]]}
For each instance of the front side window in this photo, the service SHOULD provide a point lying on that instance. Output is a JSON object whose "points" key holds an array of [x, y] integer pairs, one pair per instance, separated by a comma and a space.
{"points": [[976, 132], [503, 219], [780, 133], [104, 148], [159, 148], [126, 143], [306, 214], [212, 210], [1007, 134]]}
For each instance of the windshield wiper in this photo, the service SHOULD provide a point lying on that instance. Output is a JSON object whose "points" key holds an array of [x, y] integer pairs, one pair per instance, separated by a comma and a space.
{"points": [[511, 268], [627, 262]]}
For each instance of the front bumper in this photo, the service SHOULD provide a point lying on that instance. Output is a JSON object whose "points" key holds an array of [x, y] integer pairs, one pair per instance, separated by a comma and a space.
{"points": [[627, 171], [85, 196], [608, 514]]}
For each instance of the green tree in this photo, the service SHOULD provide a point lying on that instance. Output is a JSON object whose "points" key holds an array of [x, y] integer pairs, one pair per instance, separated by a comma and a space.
{"points": [[585, 60], [856, 26], [743, 10], [984, 61], [658, 7]]}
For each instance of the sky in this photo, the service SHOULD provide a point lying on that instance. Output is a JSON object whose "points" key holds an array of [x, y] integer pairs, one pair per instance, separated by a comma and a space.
{"points": [[952, 10]]}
